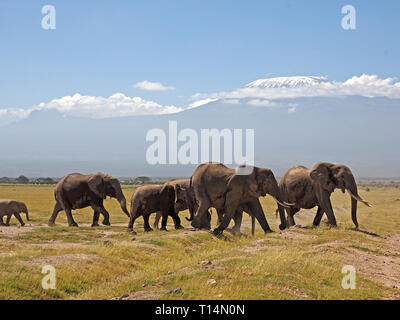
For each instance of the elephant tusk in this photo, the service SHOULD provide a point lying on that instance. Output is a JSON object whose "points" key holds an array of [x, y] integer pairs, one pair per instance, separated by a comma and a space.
{"points": [[359, 199], [289, 204], [286, 205]]}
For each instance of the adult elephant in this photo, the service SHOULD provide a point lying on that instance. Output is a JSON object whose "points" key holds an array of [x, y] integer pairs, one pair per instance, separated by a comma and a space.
{"points": [[77, 191], [176, 193], [307, 188], [215, 185]]}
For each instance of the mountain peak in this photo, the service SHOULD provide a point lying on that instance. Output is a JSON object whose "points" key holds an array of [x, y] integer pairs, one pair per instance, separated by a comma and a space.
{"points": [[287, 82]]}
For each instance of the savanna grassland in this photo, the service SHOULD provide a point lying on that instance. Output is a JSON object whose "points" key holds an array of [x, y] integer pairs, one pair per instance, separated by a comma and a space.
{"points": [[108, 262]]}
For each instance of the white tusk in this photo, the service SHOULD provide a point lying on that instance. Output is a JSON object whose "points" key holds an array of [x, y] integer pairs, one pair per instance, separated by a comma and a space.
{"points": [[286, 205], [358, 198]]}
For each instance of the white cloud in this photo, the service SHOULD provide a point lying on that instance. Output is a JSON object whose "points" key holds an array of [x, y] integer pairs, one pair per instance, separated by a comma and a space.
{"points": [[364, 85], [152, 86], [117, 105]]}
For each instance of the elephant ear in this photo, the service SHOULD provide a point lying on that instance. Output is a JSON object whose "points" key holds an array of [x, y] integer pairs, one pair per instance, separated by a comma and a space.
{"points": [[321, 174], [96, 184], [248, 182]]}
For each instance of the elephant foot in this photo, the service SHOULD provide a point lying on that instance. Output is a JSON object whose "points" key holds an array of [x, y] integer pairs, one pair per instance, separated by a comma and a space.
{"points": [[106, 223], [234, 231], [179, 227], [217, 232], [22, 224], [131, 231], [148, 230], [164, 229], [7, 225], [95, 225], [268, 231], [51, 223], [73, 224], [282, 227]]}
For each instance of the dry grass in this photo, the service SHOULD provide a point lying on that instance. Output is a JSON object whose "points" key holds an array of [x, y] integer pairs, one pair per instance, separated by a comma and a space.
{"points": [[107, 262]]}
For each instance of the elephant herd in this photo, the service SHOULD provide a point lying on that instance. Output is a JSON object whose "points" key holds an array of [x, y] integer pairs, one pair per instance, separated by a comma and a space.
{"points": [[212, 185]]}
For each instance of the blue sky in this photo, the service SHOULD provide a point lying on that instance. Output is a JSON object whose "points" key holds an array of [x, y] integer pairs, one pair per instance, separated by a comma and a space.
{"points": [[103, 47]]}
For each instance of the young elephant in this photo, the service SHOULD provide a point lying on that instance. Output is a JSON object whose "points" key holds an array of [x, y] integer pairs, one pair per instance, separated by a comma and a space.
{"points": [[308, 188], [12, 207], [176, 192], [148, 199]]}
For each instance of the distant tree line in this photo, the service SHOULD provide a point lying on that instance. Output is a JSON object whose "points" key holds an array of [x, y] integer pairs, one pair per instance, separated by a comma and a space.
{"points": [[127, 181], [25, 180]]}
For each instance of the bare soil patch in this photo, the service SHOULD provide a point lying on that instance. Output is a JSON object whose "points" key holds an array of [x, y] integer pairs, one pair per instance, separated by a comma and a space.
{"points": [[140, 295], [61, 259], [15, 231]]}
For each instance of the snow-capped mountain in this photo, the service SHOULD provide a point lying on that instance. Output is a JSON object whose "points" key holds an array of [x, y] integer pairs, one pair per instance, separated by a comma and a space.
{"points": [[287, 82]]}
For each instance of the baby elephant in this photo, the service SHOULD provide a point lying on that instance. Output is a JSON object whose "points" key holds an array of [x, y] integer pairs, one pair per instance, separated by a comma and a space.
{"points": [[12, 207], [148, 199]]}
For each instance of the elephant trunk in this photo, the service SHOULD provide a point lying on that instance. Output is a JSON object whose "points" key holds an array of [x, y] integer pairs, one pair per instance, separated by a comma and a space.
{"points": [[122, 201], [24, 209], [354, 212], [351, 187], [191, 215], [191, 206], [276, 194]]}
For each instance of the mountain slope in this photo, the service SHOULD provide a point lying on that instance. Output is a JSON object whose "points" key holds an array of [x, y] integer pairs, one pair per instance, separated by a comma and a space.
{"points": [[330, 129]]}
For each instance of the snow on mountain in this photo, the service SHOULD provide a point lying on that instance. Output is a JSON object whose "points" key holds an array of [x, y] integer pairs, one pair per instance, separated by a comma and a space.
{"points": [[287, 82]]}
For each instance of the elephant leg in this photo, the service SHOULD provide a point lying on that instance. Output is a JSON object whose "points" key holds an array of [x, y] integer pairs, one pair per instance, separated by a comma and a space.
{"points": [[290, 216], [96, 216], [1, 221], [104, 212], [164, 220], [16, 214], [70, 218], [237, 218], [177, 220], [220, 214], [326, 205], [147, 227], [257, 211], [135, 213], [231, 205], [8, 220], [318, 217], [157, 220], [57, 209]]}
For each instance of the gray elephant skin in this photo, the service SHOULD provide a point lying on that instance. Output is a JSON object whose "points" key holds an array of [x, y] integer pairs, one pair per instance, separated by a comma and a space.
{"points": [[153, 198], [77, 191], [12, 207], [308, 188], [215, 185], [176, 192]]}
